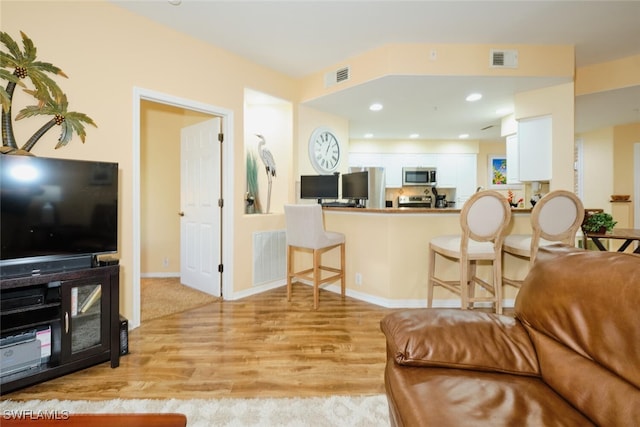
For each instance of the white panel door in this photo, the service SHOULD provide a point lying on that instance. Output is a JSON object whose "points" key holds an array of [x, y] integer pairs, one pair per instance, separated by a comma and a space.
{"points": [[200, 221]]}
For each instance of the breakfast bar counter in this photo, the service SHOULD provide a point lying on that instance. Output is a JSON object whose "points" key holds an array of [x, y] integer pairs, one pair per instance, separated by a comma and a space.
{"points": [[408, 210], [387, 252]]}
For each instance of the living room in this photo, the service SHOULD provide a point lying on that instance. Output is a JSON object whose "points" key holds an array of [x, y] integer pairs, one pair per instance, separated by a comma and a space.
{"points": [[111, 141]]}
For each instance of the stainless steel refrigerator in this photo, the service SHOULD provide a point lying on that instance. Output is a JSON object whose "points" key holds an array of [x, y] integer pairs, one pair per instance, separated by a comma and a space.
{"points": [[377, 186]]}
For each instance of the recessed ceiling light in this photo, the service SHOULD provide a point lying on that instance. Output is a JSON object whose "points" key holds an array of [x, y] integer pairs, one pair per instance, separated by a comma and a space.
{"points": [[375, 107], [368, 135], [414, 135], [463, 136], [474, 97]]}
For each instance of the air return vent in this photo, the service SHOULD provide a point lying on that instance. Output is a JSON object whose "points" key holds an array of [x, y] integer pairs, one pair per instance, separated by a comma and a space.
{"points": [[269, 256], [338, 76], [503, 58]]}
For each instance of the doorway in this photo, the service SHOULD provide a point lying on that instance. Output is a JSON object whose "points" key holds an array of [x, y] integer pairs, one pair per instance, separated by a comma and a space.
{"points": [[226, 118]]}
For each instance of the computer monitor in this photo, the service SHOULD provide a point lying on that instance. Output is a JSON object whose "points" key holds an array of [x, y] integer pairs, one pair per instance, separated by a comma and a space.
{"points": [[355, 186], [319, 187]]}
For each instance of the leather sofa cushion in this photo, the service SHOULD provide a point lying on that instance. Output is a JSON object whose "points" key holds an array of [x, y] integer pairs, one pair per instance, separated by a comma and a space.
{"points": [[581, 311], [445, 397], [459, 339], [587, 301]]}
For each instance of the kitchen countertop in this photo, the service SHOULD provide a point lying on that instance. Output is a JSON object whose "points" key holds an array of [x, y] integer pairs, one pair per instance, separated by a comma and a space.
{"points": [[408, 210]]}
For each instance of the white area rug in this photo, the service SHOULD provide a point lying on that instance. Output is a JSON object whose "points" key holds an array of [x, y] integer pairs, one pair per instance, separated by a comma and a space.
{"points": [[365, 411]]}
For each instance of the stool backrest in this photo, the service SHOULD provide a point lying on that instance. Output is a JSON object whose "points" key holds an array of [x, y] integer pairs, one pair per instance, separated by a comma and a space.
{"points": [[485, 217], [556, 217], [305, 227]]}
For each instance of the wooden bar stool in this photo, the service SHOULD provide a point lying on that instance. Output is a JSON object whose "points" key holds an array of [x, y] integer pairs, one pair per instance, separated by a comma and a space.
{"points": [[556, 218], [484, 218], [306, 233]]}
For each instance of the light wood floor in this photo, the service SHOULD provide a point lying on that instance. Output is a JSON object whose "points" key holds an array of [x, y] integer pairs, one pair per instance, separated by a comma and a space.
{"points": [[260, 346]]}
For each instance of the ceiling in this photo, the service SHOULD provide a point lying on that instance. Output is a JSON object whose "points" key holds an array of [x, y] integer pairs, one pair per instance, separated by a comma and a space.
{"points": [[303, 37]]}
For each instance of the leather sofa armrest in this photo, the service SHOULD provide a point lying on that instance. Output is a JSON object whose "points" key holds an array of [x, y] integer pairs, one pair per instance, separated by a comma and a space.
{"points": [[459, 339]]}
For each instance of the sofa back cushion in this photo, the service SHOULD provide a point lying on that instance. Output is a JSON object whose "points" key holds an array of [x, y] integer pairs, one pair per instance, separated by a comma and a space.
{"points": [[582, 311]]}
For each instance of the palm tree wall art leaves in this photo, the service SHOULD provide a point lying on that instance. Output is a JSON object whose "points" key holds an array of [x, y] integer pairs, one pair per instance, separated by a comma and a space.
{"points": [[17, 65]]}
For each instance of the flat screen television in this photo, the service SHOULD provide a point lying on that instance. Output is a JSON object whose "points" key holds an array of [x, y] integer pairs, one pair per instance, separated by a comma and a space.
{"points": [[355, 186], [55, 214], [319, 187]]}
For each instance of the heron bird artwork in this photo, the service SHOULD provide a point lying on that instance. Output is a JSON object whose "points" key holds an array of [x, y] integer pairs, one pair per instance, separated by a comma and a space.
{"points": [[269, 165]]}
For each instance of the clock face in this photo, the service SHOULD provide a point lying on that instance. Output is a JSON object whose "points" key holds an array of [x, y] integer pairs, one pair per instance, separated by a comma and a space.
{"points": [[324, 150]]}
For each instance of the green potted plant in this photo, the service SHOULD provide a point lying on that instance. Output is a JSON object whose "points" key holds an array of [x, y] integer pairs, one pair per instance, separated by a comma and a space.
{"points": [[599, 222]]}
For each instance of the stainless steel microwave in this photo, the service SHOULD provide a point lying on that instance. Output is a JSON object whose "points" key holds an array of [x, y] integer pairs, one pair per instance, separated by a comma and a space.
{"points": [[419, 176]]}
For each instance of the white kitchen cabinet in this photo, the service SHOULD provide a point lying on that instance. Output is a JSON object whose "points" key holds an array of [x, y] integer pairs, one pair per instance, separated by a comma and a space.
{"points": [[534, 149], [393, 164], [447, 165], [466, 177], [513, 160]]}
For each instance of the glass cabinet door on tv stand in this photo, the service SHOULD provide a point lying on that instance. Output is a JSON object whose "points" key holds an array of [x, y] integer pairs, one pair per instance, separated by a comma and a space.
{"points": [[85, 323]]}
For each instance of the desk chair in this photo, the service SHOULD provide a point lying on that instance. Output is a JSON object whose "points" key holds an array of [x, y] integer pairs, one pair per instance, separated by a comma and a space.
{"points": [[556, 218], [306, 233], [484, 218]]}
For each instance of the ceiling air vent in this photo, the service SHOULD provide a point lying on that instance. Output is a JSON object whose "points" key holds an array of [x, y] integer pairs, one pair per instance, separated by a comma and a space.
{"points": [[503, 58], [339, 76]]}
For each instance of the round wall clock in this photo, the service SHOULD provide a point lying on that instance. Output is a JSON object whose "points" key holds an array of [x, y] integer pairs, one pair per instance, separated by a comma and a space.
{"points": [[324, 150]]}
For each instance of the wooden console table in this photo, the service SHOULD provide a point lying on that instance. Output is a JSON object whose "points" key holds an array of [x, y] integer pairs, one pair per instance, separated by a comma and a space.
{"points": [[629, 235]]}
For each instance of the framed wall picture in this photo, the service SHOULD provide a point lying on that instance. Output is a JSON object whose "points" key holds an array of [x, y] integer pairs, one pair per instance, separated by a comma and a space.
{"points": [[497, 168]]}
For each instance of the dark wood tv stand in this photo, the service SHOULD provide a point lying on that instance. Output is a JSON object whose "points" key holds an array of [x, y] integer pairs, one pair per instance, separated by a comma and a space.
{"points": [[77, 310]]}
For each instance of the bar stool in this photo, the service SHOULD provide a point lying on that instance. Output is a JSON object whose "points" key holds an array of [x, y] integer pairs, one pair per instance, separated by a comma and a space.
{"points": [[484, 218], [305, 232], [556, 218]]}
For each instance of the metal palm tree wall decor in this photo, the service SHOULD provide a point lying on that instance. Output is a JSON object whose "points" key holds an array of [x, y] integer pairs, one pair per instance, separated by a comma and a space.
{"points": [[15, 66]]}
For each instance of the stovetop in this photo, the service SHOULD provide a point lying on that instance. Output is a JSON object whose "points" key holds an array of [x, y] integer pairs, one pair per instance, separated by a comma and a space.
{"points": [[414, 201]]}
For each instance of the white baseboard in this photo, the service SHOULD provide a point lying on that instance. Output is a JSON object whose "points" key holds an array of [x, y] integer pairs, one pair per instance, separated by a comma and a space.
{"points": [[361, 296], [159, 275]]}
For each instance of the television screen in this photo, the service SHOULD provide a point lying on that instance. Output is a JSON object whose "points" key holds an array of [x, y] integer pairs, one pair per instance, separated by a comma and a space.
{"points": [[51, 208], [319, 186], [355, 185]]}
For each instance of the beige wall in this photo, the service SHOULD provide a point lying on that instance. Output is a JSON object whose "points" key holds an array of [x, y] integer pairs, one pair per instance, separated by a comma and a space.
{"points": [[597, 168], [610, 75], [453, 60], [624, 137]]}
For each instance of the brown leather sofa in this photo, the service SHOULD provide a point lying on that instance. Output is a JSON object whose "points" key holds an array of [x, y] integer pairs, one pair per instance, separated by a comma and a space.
{"points": [[569, 357]]}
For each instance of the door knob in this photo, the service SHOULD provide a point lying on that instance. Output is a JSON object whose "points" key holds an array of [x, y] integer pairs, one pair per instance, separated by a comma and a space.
{"points": [[181, 213]]}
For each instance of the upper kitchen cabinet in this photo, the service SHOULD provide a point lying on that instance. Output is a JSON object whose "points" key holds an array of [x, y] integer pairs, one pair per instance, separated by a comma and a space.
{"points": [[534, 149], [458, 171], [513, 160]]}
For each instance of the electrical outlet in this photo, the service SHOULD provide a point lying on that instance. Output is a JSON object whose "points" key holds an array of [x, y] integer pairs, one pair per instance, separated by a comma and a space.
{"points": [[359, 279], [165, 262]]}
